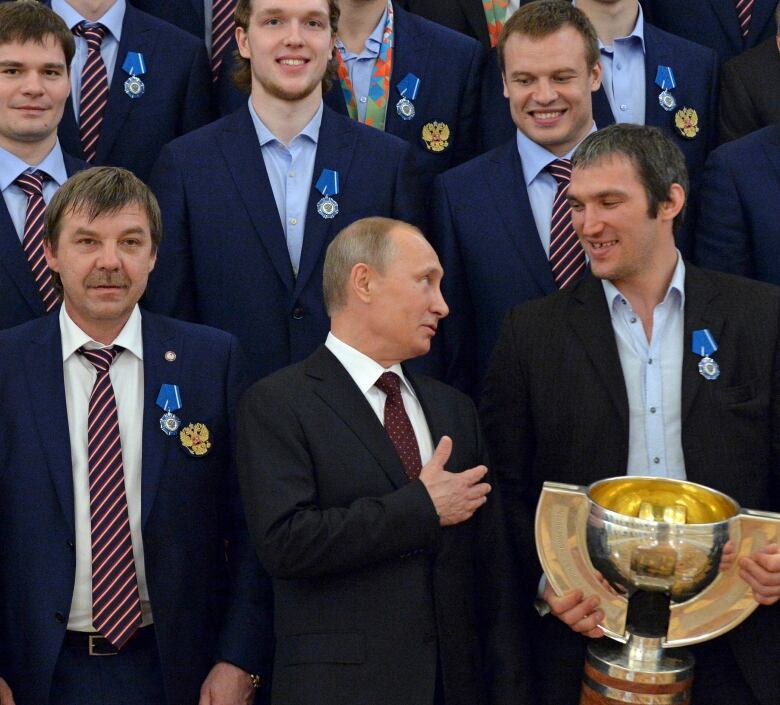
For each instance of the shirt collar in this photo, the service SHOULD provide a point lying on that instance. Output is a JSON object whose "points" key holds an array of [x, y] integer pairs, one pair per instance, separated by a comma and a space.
{"points": [[675, 294], [53, 164], [373, 43], [112, 20], [265, 136], [536, 158], [637, 34], [73, 337], [361, 367]]}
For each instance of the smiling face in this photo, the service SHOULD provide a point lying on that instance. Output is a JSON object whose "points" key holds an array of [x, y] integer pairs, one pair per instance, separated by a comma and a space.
{"points": [[548, 83], [34, 86], [104, 265], [288, 44]]}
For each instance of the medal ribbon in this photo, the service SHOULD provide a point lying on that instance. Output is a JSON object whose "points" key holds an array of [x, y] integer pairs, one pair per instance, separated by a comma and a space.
{"points": [[409, 87], [328, 183], [169, 398], [134, 64], [664, 78], [702, 342], [379, 89], [495, 14]]}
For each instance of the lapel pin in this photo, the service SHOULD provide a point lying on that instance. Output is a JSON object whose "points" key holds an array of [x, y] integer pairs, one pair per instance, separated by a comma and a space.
{"points": [[195, 439], [170, 356]]}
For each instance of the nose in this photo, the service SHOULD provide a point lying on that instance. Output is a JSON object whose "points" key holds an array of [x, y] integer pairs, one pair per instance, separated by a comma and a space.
{"points": [[586, 221], [439, 305], [294, 36], [108, 257], [33, 83], [545, 92]]}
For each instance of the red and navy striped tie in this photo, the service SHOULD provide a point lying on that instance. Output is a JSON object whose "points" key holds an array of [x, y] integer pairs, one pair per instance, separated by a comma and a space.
{"points": [[32, 241], [116, 605], [567, 258], [94, 88], [223, 25], [744, 15]]}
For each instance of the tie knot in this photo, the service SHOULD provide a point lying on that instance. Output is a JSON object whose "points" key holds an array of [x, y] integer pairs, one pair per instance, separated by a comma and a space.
{"points": [[561, 170], [389, 383], [93, 33], [31, 182], [101, 358]]}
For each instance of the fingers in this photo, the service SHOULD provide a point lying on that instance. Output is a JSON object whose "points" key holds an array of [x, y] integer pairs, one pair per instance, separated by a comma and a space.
{"points": [[761, 571], [473, 475], [727, 556], [580, 614], [442, 453]]}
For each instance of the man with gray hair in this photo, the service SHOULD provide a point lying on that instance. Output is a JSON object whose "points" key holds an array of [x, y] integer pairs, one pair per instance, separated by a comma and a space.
{"points": [[365, 494], [605, 378]]}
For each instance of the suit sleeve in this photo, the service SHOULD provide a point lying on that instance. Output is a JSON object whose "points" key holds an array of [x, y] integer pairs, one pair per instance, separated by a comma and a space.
{"points": [[246, 638], [723, 239], [737, 112], [294, 536], [171, 289], [197, 109]]}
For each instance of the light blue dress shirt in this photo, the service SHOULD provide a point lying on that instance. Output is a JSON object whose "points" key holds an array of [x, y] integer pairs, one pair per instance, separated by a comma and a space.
{"points": [[361, 66], [15, 199], [652, 371], [623, 74], [540, 184], [290, 170], [109, 48]]}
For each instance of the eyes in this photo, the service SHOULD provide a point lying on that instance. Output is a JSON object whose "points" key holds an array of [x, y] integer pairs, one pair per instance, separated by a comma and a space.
{"points": [[310, 23], [560, 79], [15, 71]]}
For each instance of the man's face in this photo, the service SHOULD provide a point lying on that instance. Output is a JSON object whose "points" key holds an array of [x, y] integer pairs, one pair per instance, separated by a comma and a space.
{"points": [[407, 304], [288, 43], [104, 265], [549, 85], [34, 86], [610, 214]]}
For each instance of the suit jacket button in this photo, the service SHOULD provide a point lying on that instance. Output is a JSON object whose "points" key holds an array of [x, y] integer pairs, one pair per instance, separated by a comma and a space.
{"points": [[297, 313], [70, 544], [60, 617]]}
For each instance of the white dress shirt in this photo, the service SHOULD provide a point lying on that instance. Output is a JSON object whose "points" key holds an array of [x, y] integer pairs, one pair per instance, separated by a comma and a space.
{"points": [[127, 379], [365, 372]]}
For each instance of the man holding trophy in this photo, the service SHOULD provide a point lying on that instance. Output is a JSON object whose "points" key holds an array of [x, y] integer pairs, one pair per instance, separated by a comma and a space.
{"points": [[648, 367]]}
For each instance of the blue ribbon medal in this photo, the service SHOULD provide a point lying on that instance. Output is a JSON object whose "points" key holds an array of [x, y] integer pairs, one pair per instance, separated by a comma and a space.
{"points": [[135, 66], [169, 400], [664, 79], [703, 344], [328, 186], [409, 87]]}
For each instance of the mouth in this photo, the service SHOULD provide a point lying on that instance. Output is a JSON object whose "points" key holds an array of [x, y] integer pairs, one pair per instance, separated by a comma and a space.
{"points": [[430, 327], [602, 246], [546, 117], [292, 61]]}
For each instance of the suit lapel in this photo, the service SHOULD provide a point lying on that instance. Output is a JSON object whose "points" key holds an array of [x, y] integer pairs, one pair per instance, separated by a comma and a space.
{"points": [[13, 260], [508, 185], [339, 391], [657, 54], [238, 142], [46, 384], [602, 110], [589, 316], [335, 147], [726, 12], [135, 37], [701, 311], [157, 371]]}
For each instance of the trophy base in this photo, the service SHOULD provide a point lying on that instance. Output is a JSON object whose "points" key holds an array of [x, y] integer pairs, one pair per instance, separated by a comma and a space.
{"points": [[637, 672]]}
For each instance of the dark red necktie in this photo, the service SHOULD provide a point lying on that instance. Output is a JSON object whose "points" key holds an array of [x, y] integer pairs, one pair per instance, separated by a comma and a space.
{"points": [[223, 25], [32, 242], [567, 258], [398, 425], [116, 605], [94, 88], [744, 15]]}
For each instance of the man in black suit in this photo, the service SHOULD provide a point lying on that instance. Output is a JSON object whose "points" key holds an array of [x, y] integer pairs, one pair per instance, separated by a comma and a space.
{"points": [[385, 564], [603, 379]]}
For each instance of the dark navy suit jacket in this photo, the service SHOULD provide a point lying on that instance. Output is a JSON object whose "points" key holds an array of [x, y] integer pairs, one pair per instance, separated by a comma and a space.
{"points": [[738, 228], [224, 260], [21, 300], [206, 607], [465, 16], [177, 98], [448, 66], [713, 23]]}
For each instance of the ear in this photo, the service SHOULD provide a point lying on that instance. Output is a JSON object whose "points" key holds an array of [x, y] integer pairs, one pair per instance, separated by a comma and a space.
{"points": [[51, 258], [243, 44], [361, 282], [668, 209], [595, 77], [503, 81]]}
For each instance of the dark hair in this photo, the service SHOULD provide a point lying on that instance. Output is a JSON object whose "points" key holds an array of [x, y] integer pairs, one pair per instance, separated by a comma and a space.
{"points": [[659, 163], [30, 21], [542, 18], [242, 71]]}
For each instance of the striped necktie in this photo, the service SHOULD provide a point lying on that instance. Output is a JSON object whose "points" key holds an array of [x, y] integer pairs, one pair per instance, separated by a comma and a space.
{"points": [[223, 25], [567, 258], [116, 605], [744, 15], [31, 184], [399, 426], [94, 88]]}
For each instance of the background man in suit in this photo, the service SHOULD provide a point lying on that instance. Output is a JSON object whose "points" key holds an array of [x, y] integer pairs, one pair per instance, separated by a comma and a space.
{"points": [[133, 575], [385, 563], [750, 86], [251, 201], [727, 26], [36, 49], [602, 379], [113, 118], [500, 256], [738, 229], [410, 77]]}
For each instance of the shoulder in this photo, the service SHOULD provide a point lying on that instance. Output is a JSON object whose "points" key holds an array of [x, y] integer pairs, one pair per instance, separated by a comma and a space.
{"points": [[437, 37], [735, 152], [36, 329], [192, 144], [368, 137], [182, 43], [755, 58], [464, 175], [685, 51], [205, 338]]}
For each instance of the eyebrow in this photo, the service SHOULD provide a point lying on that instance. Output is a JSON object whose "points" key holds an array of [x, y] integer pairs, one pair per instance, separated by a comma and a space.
{"points": [[128, 231], [280, 11], [8, 63]]}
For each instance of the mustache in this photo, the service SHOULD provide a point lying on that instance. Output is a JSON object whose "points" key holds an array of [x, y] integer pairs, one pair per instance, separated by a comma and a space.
{"points": [[106, 279]]}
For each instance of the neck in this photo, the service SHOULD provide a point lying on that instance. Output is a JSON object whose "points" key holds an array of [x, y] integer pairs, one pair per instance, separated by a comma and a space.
{"points": [[104, 332], [91, 10], [286, 118], [358, 20], [362, 340], [32, 153], [611, 20]]}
